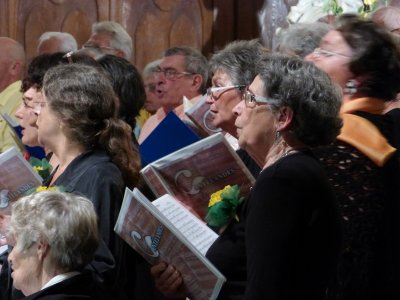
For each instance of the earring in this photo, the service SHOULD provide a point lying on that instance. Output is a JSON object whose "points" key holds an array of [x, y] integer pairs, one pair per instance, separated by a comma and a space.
{"points": [[351, 87], [277, 136]]}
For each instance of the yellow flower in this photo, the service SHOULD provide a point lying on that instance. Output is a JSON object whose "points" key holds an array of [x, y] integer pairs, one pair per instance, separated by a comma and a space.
{"points": [[45, 188], [216, 197], [38, 168]]}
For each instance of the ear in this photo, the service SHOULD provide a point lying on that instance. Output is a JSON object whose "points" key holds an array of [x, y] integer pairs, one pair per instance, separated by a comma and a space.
{"points": [[15, 68], [284, 119], [43, 249], [197, 81], [120, 53]]}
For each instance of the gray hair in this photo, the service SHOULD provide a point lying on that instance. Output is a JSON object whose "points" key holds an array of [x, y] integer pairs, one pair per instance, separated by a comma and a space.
{"points": [[238, 60], [150, 68], [120, 39], [302, 38], [195, 62], [68, 223], [309, 92], [67, 41]]}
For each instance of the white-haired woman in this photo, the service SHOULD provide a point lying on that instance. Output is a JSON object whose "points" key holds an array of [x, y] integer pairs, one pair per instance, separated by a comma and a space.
{"points": [[55, 235]]}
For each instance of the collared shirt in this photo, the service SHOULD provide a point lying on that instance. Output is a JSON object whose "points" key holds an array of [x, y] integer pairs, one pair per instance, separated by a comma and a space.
{"points": [[10, 99], [59, 278]]}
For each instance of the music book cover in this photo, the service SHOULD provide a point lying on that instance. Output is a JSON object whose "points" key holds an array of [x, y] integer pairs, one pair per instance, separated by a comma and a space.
{"points": [[193, 173], [199, 114], [165, 231], [170, 135], [16, 177]]}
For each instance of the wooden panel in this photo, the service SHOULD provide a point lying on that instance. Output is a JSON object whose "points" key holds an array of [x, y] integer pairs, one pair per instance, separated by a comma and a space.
{"points": [[38, 16], [153, 24], [158, 24]]}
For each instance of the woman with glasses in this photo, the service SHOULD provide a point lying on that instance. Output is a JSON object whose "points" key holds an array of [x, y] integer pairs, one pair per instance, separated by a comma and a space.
{"points": [[285, 241], [233, 69], [32, 94], [363, 163]]}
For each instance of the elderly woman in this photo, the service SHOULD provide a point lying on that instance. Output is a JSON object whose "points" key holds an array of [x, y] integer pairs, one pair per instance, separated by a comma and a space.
{"points": [[363, 164], [78, 122], [285, 243], [233, 68], [54, 236]]}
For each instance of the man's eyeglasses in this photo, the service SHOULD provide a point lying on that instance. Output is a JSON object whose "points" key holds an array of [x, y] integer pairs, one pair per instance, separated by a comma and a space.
{"points": [[172, 74], [151, 87], [98, 48], [326, 53], [216, 92], [251, 100]]}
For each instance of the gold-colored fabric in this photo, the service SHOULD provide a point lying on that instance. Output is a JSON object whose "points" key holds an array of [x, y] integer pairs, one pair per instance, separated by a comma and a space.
{"points": [[362, 134]]}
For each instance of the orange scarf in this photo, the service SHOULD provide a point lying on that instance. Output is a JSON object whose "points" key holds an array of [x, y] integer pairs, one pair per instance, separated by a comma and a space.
{"points": [[362, 134]]}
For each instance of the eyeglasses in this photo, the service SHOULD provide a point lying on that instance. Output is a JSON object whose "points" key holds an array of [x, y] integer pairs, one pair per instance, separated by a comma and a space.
{"points": [[68, 56], [98, 48], [151, 87], [251, 100], [326, 53], [172, 74], [216, 92], [38, 106], [26, 105]]}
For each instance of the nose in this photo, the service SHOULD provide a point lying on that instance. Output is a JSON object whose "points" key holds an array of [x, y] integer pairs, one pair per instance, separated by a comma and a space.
{"points": [[312, 56], [209, 99], [237, 109]]}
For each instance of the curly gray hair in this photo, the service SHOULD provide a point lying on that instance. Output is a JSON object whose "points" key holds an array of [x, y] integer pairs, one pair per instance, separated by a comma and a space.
{"points": [[238, 60], [308, 91]]}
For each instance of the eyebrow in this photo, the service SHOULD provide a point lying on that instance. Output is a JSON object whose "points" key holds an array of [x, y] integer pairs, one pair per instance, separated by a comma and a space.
{"points": [[27, 98]]}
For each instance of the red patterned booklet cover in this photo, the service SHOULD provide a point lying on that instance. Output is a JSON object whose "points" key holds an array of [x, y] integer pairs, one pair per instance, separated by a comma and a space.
{"points": [[16, 177], [164, 230], [193, 173], [201, 116]]}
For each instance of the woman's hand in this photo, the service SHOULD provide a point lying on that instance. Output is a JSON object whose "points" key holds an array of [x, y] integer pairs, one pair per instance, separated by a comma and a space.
{"points": [[168, 280]]}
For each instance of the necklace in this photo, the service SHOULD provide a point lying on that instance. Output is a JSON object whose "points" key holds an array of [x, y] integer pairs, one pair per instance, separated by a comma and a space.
{"points": [[287, 152]]}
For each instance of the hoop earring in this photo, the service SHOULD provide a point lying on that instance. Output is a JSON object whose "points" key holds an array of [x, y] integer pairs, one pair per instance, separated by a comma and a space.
{"points": [[351, 87]]}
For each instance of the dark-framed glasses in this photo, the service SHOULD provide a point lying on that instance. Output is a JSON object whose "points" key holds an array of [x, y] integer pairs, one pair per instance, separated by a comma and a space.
{"points": [[151, 87], [251, 100], [172, 74], [327, 53], [216, 92]]}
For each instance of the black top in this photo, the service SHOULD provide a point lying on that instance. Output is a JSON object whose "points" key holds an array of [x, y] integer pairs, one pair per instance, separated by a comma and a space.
{"points": [[287, 238], [81, 286], [368, 199], [249, 162], [95, 176]]}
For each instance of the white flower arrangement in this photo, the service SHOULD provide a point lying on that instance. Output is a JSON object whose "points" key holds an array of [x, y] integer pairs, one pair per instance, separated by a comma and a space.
{"points": [[308, 11]]}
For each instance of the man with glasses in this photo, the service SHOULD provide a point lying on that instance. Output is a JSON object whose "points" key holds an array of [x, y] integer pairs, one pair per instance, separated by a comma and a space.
{"points": [[12, 64], [182, 72], [109, 37]]}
